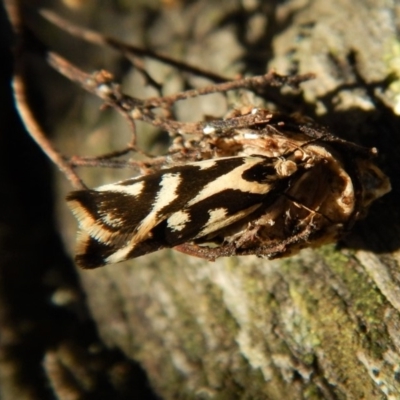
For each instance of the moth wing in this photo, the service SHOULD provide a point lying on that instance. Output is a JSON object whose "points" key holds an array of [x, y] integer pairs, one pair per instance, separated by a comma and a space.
{"points": [[116, 214], [141, 215]]}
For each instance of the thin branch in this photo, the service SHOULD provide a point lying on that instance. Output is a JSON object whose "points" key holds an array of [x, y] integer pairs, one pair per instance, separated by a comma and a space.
{"points": [[22, 104], [102, 85], [142, 165], [269, 79], [37, 133], [127, 49]]}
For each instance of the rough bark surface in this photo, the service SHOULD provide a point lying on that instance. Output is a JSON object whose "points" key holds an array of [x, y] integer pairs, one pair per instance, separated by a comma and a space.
{"points": [[321, 325]]}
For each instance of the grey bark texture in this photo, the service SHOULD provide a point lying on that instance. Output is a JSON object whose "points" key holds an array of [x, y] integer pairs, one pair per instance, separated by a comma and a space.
{"points": [[324, 324]]}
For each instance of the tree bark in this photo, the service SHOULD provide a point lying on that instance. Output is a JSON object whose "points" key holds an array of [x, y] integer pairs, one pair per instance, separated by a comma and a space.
{"points": [[320, 325]]}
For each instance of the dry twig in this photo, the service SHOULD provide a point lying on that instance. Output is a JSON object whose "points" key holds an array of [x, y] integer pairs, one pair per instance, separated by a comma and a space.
{"points": [[103, 85], [22, 103]]}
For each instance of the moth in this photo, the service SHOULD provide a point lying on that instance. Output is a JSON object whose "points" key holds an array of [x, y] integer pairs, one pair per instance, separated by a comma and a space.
{"points": [[266, 184]]}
